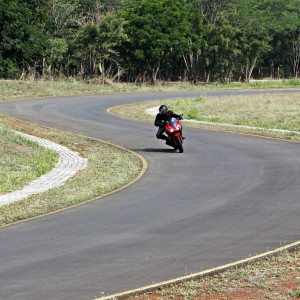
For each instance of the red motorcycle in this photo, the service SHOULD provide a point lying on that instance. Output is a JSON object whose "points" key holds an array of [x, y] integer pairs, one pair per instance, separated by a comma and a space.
{"points": [[173, 128]]}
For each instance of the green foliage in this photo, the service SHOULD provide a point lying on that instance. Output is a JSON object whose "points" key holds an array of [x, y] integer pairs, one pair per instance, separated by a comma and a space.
{"points": [[23, 35], [146, 40], [55, 55], [192, 113], [155, 28], [295, 294], [285, 45], [253, 36], [97, 43]]}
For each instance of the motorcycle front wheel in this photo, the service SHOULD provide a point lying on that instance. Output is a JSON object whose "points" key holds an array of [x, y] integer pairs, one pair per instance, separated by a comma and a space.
{"points": [[179, 144]]}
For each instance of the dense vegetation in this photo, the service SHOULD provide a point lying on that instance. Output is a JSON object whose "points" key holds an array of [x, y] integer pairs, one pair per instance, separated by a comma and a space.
{"points": [[150, 40]]}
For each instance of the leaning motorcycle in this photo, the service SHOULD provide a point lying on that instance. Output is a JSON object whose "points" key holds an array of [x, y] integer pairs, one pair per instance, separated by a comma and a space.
{"points": [[173, 129]]}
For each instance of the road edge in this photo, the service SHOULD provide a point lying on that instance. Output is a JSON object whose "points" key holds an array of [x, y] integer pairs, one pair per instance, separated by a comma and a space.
{"points": [[139, 176], [187, 124], [205, 273]]}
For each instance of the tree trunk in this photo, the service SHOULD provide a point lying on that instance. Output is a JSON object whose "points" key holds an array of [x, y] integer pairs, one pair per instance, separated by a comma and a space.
{"points": [[22, 77], [296, 57], [44, 66], [208, 77], [101, 69], [248, 69], [252, 68], [81, 72], [192, 64], [155, 72]]}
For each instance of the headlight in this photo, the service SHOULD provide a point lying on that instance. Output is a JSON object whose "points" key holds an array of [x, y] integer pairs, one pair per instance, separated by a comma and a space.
{"points": [[171, 130]]}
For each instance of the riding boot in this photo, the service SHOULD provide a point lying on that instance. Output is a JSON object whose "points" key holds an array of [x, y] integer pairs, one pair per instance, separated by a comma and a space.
{"points": [[168, 141]]}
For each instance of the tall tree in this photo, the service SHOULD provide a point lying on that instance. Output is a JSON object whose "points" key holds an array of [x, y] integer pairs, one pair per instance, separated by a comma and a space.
{"points": [[284, 29], [23, 36], [252, 24], [97, 47], [155, 28], [193, 56]]}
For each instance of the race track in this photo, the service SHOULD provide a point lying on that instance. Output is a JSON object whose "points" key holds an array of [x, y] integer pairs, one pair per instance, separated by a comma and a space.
{"points": [[226, 197]]}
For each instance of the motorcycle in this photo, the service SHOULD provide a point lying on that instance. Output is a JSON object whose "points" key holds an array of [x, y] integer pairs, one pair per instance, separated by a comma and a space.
{"points": [[173, 129]]}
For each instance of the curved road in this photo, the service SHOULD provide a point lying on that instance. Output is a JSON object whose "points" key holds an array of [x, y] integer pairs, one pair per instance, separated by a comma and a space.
{"points": [[227, 197]]}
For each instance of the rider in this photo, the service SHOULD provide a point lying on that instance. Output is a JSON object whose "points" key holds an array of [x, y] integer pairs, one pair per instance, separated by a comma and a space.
{"points": [[164, 115]]}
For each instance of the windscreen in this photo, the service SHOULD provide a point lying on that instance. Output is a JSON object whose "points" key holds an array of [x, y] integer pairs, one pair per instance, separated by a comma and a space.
{"points": [[173, 122]]}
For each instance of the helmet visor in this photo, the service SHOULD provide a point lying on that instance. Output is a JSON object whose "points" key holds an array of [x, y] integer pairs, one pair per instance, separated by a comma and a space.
{"points": [[163, 109]]}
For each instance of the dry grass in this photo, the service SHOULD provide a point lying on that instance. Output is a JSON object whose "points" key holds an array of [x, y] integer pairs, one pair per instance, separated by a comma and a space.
{"points": [[109, 168], [16, 89], [276, 277], [269, 111]]}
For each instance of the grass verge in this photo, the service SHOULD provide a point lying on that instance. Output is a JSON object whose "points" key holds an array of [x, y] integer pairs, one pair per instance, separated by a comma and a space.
{"points": [[16, 89], [276, 277], [268, 111], [22, 161], [109, 168]]}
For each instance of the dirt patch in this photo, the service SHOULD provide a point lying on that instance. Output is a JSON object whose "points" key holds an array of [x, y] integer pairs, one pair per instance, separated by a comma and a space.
{"points": [[272, 278]]}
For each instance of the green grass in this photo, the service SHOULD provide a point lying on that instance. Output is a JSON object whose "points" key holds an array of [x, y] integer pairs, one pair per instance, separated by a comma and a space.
{"points": [[16, 89], [268, 111], [295, 294], [22, 161], [109, 168]]}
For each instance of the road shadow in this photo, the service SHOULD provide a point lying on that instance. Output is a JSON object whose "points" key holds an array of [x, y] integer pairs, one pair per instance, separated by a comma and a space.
{"points": [[161, 150]]}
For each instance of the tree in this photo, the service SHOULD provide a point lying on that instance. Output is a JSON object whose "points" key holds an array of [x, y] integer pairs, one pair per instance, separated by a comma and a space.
{"points": [[97, 46], [193, 56], [55, 56], [252, 24], [23, 36], [155, 29], [284, 29], [295, 57]]}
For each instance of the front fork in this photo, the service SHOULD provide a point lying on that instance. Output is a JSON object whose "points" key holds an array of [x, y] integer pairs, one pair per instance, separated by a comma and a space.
{"points": [[174, 139]]}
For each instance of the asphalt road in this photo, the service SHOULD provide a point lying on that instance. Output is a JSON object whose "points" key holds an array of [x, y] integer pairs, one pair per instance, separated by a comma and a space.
{"points": [[226, 197]]}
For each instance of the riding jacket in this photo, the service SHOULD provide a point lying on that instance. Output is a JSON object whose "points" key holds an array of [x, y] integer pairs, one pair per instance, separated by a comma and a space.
{"points": [[162, 118]]}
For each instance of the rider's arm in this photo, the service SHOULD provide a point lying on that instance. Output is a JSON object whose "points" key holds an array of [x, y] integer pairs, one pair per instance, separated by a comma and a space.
{"points": [[157, 121], [176, 116], [160, 120]]}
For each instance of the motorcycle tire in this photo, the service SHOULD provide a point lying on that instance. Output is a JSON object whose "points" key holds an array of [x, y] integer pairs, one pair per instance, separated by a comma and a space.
{"points": [[179, 144]]}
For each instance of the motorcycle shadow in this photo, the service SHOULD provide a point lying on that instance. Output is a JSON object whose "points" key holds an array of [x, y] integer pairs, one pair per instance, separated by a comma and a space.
{"points": [[162, 150]]}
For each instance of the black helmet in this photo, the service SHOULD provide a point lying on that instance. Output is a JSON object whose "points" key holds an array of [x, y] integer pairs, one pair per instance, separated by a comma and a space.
{"points": [[163, 109]]}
